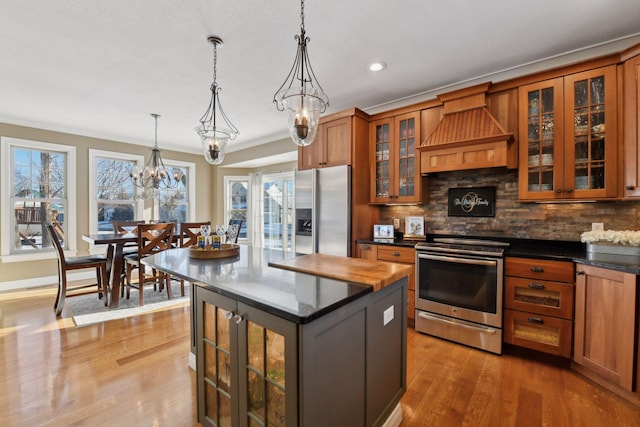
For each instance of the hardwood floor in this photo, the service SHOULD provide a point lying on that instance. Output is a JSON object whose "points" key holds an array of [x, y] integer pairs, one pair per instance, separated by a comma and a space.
{"points": [[134, 372]]}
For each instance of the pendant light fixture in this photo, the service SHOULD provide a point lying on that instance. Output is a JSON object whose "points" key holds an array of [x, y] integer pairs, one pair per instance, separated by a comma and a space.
{"points": [[155, 173], [301, 94], [215, 128]]}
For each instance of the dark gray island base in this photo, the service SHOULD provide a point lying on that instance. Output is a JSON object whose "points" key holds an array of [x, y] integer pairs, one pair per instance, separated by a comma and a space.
{"points": [[282, 348]]}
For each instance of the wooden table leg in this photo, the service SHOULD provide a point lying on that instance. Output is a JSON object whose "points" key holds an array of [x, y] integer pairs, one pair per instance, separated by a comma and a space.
{"points": [[116, 274]]}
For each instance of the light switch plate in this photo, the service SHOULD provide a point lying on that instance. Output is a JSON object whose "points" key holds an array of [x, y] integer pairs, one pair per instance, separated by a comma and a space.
{"points": [[387, 316], [597, 226], [396, 223]]}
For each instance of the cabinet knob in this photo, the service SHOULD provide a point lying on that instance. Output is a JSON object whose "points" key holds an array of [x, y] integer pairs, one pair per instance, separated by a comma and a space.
{"points": [[629, 188], [238, 319], [536, 320], [579, 273], [537, 269], [228, 315], [570, 190]]}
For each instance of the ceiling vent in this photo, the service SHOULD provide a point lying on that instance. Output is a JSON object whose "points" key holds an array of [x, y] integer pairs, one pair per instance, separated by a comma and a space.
{"points": [[467, 137]]}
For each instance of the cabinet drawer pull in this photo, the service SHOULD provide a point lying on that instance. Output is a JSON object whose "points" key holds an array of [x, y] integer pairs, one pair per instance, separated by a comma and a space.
{"points": [[395, 253], [366, 247], [537, 269], [536, 320], [629, 188], [579, 273], [536, 285]]}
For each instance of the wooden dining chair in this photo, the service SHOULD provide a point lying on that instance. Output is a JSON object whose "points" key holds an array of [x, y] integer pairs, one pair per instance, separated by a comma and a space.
{"points": [[152, 238], [65, 264]]}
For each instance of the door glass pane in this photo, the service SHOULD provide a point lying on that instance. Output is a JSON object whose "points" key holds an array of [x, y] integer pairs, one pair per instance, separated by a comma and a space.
{"points": [[540, 139], [278, 194]]}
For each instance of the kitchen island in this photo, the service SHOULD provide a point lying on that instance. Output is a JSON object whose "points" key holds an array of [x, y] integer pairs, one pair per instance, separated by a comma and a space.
{"points": [[289, 348]]}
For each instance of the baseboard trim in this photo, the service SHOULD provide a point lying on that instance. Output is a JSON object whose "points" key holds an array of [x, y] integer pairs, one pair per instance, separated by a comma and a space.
{"points": [[395, 418]]}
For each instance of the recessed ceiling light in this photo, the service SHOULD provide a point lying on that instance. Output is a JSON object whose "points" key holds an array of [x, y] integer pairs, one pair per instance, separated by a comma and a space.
{"points": [[377, 66]]}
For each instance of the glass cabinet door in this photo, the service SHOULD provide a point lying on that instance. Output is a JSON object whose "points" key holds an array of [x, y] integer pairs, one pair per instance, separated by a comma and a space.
{"points": [[406, 138], [591, 145], [382, 134], [267, 350], [217, 388], [541, 139]]}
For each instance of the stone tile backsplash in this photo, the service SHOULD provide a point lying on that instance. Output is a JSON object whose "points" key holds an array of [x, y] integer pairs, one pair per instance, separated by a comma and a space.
{"points": [[548, 221]]}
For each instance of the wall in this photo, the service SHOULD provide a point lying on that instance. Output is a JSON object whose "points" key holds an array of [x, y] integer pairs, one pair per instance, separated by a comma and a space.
{"points": [[205, 182], [551, 221]]}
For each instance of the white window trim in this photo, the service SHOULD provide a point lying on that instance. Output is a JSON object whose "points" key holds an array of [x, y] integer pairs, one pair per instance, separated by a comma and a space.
{"points": [[191, 188], [247, 178], [5, 190], [93, 191]]}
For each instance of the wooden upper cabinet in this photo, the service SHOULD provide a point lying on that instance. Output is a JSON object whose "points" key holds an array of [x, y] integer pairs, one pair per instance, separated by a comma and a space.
{"points": [[332, 146], [568, 137], [631, 126], [395, 170]]}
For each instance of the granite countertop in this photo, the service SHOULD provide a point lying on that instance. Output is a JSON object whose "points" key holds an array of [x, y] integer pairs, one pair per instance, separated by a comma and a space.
{"points": [[294, 296], [553, 250]]}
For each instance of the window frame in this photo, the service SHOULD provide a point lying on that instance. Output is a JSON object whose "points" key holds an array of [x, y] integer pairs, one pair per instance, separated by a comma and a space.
{"points": [[8, 143], [94, 155]]}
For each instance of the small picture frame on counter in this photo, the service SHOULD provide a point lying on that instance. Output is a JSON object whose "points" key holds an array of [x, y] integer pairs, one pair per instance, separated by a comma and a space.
{"points": [[414, 228]]}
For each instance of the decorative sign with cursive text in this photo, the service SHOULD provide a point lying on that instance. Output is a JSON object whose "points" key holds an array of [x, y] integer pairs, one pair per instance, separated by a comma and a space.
{"points": [[480, 201]]}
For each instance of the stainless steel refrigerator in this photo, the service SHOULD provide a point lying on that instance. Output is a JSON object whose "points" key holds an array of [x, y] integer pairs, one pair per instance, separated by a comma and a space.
{"points": [[323, 211]]}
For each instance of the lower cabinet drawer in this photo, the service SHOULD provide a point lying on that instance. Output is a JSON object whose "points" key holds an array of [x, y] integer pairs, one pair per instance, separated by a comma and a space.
{"points": [[542, 333], [396, 254], [539, 296]]}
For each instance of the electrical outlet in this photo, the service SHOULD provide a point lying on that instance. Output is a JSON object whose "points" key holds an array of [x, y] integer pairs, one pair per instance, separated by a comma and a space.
{"points": [[396, 223], [597, 226]]}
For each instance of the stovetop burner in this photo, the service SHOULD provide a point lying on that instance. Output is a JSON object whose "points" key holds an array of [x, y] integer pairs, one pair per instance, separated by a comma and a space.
{"points": [[464, 246]]}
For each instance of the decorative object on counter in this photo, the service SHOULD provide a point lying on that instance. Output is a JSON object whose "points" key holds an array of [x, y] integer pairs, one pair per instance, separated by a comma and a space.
{"points": [[155, 172], [215, 131], [383, 233], [225, 250], [478, 201], [221, 231], [414, 228], [626, 242], [303, 103]]}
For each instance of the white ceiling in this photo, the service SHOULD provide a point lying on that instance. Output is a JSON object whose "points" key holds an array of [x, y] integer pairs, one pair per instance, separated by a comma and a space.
{"points": [[99, 68]]}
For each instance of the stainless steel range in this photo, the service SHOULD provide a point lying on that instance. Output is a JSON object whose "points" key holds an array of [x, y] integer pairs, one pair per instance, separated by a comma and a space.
{"points": [[459, 284]]}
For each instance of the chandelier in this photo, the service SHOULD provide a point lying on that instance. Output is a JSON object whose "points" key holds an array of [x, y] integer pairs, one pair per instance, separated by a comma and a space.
{"points": [[215, 131], [155, 173], [301, 94]]}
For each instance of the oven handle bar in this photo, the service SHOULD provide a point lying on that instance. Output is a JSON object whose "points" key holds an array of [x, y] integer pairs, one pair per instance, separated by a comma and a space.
{"points": [[458, 260], [484, 329]]}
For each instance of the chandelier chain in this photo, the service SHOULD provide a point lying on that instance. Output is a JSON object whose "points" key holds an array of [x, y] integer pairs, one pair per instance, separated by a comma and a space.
{"points": [[302, 16]]}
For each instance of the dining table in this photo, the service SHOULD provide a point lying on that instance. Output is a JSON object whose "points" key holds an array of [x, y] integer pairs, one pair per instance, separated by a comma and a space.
{"points": [[115, 257]]}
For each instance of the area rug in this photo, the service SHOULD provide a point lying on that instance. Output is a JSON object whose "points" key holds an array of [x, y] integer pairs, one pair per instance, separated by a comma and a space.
{"points": [[89, 309]]}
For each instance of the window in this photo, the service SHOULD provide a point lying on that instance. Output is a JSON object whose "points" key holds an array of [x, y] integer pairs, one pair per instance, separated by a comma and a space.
{"points": [[36, 191], [112, 194], [236, 198], [175, 205], [114, 197], [278, 201]]}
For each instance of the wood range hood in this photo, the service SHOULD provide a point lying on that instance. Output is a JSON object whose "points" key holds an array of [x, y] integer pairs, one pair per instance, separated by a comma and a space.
{"points": [[467, 137]]}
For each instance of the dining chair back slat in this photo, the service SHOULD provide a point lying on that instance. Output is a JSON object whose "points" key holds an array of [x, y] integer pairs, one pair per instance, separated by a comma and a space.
{"points": [[151, 238]]}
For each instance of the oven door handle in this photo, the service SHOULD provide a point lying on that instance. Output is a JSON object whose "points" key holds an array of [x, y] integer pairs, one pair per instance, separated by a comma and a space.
{"points": [[458, 260], [484, 329]]}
